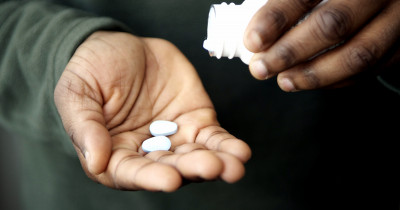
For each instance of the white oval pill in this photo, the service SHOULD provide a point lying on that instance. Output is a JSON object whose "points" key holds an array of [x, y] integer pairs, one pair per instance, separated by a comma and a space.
{"points": [[163, 128], [156, 143]]}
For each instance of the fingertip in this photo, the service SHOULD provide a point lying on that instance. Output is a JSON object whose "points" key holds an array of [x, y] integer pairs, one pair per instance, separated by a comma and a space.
{"points": [[233, 168], [97, 148], [237, 148], [252, 40], [201, 163], [258, 69], [98, 160], [286, 84], [159, 177], [172, 181], [211, 167]]}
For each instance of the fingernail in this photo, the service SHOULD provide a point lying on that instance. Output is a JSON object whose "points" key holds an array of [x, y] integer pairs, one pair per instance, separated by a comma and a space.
{"points": [[286, 85], [259, 69], [256, 40]]}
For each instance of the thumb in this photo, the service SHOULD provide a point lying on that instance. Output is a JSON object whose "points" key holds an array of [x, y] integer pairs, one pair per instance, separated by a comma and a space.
{"points": [[92, 140], [83, 119]]}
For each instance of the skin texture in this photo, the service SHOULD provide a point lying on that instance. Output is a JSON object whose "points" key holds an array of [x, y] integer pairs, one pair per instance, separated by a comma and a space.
{"points": [[338, 40], [114, 86]]}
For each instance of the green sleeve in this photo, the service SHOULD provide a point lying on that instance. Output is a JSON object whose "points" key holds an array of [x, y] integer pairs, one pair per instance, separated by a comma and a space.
{"points": [[36, 41]]}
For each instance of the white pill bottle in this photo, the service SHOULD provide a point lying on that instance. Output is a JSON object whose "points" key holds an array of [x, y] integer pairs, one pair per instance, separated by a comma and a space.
{"points": [[226, 26]]}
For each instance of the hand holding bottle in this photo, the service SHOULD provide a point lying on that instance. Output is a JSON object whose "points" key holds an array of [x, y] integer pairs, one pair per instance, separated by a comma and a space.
{"points": [[337, 41]]}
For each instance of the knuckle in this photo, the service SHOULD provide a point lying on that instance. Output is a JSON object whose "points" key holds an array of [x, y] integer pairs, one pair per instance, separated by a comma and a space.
{"points": [[286, 53], [279, 17], [311, 80], [307, 4], [334, 23], [360, 57]]}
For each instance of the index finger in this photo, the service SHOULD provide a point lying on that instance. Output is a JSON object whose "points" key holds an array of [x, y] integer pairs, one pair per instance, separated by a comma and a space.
{"points": [[273, 20]]}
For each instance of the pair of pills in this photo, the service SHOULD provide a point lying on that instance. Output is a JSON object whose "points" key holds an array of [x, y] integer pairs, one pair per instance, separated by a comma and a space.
{"points": [[160, 129]]}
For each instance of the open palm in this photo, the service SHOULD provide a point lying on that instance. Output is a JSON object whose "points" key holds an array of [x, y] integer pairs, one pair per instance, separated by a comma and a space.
{"points": [[114, 86]]}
